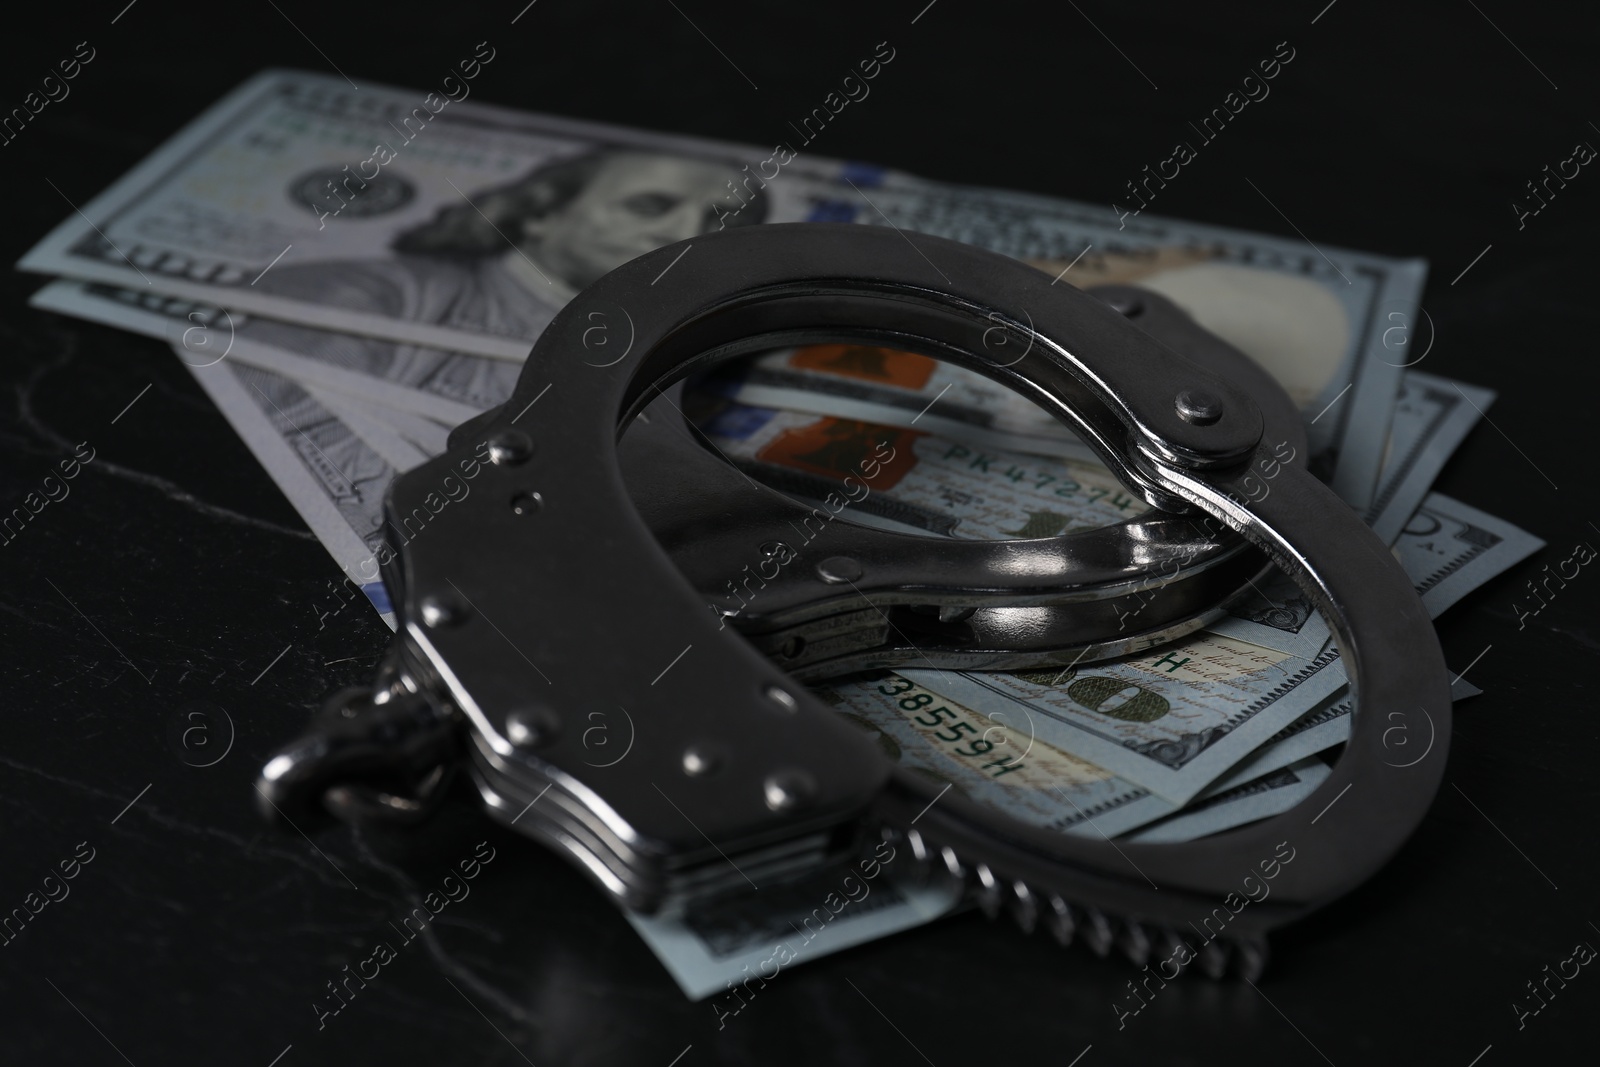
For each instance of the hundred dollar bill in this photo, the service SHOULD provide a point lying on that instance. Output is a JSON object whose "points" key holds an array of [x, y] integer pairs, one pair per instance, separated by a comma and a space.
{"points": [[1276, 613], [1293, 326], [1447, 550], [1120, 715], [401, 421], [762, 934], [1450, 549], [1271, 794], [445, 387], [1316, 731], [1172, 722], [895, 388], [333, 478], [1002, 764], [427, 437], [391, 434], [409, 215], [1272, 298], [434, 220], [1432, 417], [931, 483]]}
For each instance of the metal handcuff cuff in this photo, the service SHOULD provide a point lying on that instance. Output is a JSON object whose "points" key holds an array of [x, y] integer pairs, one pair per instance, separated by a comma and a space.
{"points": [[575, 578]]}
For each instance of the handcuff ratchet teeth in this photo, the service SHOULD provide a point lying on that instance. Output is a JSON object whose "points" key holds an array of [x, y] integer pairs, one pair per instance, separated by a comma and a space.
{"points": [[574, 581]]}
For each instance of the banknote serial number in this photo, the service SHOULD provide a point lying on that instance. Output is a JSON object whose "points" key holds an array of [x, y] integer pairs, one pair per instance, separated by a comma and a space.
{"points": [[947, 726], [1040, 481]]}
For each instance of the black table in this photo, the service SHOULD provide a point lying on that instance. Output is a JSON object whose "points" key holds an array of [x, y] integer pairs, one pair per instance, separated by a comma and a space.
{"points": [[175, 577]]}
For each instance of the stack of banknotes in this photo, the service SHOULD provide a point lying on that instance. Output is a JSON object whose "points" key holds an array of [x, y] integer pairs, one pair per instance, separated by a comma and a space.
{"points": [[349, 274]]}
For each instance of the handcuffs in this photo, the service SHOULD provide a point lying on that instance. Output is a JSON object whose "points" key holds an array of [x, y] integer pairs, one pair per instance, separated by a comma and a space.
{"points": [[582, 577]]}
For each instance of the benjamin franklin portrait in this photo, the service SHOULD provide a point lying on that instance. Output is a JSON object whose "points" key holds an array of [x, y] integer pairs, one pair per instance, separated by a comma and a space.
{"points": [[502, 260]]}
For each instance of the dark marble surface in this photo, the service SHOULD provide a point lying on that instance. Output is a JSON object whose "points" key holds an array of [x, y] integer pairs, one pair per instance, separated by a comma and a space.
{"points": [[175, 578]]}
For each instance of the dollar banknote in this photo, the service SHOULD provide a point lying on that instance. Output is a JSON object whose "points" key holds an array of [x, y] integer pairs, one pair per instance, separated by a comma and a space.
{"points": [[1275, 613], [1449, 549], [1323, 326], [455, 225], [332, 477], [1271, 794], [445, 387], [1316, 731], [1125, 716], [896, 388], [399, 437], [783, 926], [1433, 415], [932, 484], [266, 204], [1003, 764], [1329, 724], [1172, 720], [1321, 728]]}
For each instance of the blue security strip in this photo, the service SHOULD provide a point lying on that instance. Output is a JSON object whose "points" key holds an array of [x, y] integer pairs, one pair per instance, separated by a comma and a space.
{"points": [[832, 211], [379, 596], [739, 421]]}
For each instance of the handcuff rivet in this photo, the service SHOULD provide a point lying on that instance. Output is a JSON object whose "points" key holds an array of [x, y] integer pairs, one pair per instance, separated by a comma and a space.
{"points": [[510, 447], [532, 727], [839, 570], [438, 612], [1198, 407], [787, 790], [526, 503]]}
